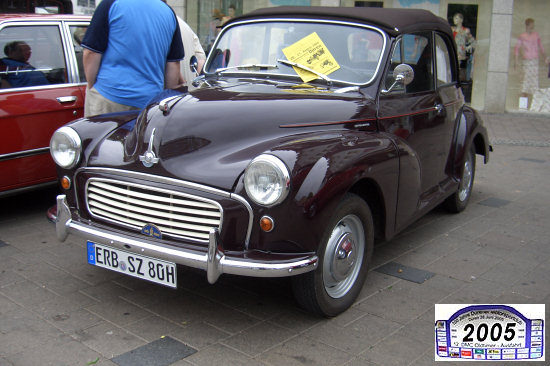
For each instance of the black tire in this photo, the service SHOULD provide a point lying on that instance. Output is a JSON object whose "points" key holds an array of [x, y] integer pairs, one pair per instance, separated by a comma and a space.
{"points": [[458, 201], [344, 257]]}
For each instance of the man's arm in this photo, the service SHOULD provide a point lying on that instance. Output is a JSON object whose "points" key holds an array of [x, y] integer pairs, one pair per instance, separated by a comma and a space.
{"points": [[92, 61], [172, 75]]}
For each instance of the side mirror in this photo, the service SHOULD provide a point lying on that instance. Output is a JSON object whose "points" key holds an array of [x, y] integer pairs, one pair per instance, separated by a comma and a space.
{"points": [[194, 65], [402, 74]]}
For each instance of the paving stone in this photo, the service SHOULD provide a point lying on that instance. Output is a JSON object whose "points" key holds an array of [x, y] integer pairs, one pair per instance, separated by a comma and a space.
{"points": [[152, 327], [393, 306], [27, 293], [394, 349], [355, 337], [258, 338], [108, 339], [198, 335], [305, 351], [118, 312], [21, 329], [462, 264], [67, 354], [219, 354]]}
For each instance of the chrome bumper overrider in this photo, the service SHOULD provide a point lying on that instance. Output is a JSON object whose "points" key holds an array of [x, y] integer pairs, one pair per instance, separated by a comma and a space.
{"points": [[214, 262]]}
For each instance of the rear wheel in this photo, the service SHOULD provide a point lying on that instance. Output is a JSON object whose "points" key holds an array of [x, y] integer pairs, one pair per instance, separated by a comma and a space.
{"points": [[458, 201], [344, 257]]}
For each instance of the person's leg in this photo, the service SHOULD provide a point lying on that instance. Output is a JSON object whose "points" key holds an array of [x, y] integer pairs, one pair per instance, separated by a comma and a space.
{"points": [[97, 104]]}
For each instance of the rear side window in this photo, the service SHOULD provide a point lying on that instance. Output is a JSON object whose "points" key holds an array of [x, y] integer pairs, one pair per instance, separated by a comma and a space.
{"points": [[444, 70], [32, 56]]}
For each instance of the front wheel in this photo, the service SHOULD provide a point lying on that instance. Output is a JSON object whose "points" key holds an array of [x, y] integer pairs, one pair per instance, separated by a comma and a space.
{"points": [[458, 201], [344, 257]]}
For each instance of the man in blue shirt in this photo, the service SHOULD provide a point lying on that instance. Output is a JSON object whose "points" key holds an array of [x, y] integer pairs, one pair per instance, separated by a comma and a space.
{"points": [[132, 51]]}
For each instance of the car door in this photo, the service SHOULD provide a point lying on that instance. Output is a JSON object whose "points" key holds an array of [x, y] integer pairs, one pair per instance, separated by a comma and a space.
{"points": [[416, 114], [37, 99]]}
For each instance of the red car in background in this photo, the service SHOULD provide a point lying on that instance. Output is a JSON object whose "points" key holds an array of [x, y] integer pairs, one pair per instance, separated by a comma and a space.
{"points": [[42, 88]]}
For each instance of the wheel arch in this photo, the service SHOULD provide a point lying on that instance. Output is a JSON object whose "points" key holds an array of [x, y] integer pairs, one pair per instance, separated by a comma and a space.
{"points": [[369, 190]]}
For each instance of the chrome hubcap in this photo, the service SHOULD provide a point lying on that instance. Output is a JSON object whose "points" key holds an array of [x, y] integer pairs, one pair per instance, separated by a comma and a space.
{"points": [[343, 256], [466, 181]]}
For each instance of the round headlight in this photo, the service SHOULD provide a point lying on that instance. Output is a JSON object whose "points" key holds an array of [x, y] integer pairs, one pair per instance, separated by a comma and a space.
{"points": [[267, 180], [65, 147]]}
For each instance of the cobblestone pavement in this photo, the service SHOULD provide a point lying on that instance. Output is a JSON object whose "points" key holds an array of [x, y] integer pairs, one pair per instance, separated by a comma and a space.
{"points": [[55, 309]]}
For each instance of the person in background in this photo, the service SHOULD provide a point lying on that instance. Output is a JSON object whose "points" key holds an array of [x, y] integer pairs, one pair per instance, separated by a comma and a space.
{"points": [[213, 28], [15, 70], [465, 43], [132, 51], [192, 45], [529, 47], [230, 14]]}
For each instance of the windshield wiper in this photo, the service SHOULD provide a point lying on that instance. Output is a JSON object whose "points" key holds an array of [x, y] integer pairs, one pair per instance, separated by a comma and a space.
{"points": [[300, 66], [248, 66]]}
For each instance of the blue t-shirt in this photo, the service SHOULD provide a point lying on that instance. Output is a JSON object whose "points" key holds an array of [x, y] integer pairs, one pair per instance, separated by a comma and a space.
{"points": [[136, 38]]}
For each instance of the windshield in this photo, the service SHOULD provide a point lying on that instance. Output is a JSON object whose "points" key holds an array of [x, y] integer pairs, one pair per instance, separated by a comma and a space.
{"points": [[333, 52]]}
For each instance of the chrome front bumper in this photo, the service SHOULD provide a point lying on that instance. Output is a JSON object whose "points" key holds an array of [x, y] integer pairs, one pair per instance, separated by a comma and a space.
{"points": [[214, 262]]}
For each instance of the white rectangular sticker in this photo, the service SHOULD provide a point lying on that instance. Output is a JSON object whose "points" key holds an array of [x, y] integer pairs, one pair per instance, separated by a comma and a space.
{"points": [[140, 266], [489, 332]]}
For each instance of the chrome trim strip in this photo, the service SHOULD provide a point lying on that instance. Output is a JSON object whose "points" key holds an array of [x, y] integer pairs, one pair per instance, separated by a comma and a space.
{"points": [[155, 178], [305, 20], [150, 188], [250, 217], [24, 153], [214, 261]]}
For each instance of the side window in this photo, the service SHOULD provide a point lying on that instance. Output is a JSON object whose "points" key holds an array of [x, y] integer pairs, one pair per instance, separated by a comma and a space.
{"points": [[416, 51], [33, 56], [77, 32], [443, 62]]}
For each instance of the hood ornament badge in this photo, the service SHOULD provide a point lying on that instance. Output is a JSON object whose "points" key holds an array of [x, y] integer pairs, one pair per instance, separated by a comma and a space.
{"points": [[149, 158]]}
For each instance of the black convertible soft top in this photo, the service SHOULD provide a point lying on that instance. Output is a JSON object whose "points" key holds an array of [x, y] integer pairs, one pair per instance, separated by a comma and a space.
{"points": [[393, 21]]}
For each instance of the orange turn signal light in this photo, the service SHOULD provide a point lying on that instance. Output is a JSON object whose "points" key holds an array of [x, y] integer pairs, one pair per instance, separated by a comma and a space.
{"points": [[267, 224], [65, 182]]}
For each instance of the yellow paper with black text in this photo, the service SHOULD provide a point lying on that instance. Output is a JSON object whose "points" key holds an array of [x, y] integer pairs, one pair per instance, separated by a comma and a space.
{"points": [[311, 52]]}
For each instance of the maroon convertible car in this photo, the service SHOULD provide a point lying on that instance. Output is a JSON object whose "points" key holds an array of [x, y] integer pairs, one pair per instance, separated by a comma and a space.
{"points": [[312, 132]]}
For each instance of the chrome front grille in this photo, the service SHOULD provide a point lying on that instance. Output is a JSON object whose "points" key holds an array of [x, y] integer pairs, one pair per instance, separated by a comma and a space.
{"points": [[174, 213]]}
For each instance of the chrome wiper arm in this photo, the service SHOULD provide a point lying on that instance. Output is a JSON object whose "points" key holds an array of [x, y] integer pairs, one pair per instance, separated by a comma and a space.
{"points": [[247, 66], [303, 67]]}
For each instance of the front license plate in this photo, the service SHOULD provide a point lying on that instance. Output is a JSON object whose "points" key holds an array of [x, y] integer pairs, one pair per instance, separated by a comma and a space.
{"points": [[140, 266]]}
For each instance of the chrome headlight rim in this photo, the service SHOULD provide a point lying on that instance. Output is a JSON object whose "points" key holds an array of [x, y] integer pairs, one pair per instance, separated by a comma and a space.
{"points": [[74, 144], [280, 168]]}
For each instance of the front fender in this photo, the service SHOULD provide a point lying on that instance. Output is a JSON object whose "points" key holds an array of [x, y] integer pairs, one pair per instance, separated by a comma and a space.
{"points": [[321, 174]]}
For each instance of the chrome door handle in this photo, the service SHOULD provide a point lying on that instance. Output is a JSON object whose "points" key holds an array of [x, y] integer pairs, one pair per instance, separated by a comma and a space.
{"points": [[67, 99]]}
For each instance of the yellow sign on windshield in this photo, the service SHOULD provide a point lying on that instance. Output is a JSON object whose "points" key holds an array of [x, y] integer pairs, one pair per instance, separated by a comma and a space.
{"points": [[311, 52]]}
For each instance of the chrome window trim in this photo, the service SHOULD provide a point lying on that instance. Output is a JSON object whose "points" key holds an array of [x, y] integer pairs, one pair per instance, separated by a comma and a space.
{"points": [[67, 24], [170, 181], [24, 153], [304, 20]]}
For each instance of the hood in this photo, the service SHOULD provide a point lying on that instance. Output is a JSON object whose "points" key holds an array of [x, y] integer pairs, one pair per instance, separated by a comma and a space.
{"points": [[210, 135]]}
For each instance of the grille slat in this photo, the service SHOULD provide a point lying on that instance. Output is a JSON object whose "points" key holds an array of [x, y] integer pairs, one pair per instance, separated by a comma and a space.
{"points": [[174, 213]]}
